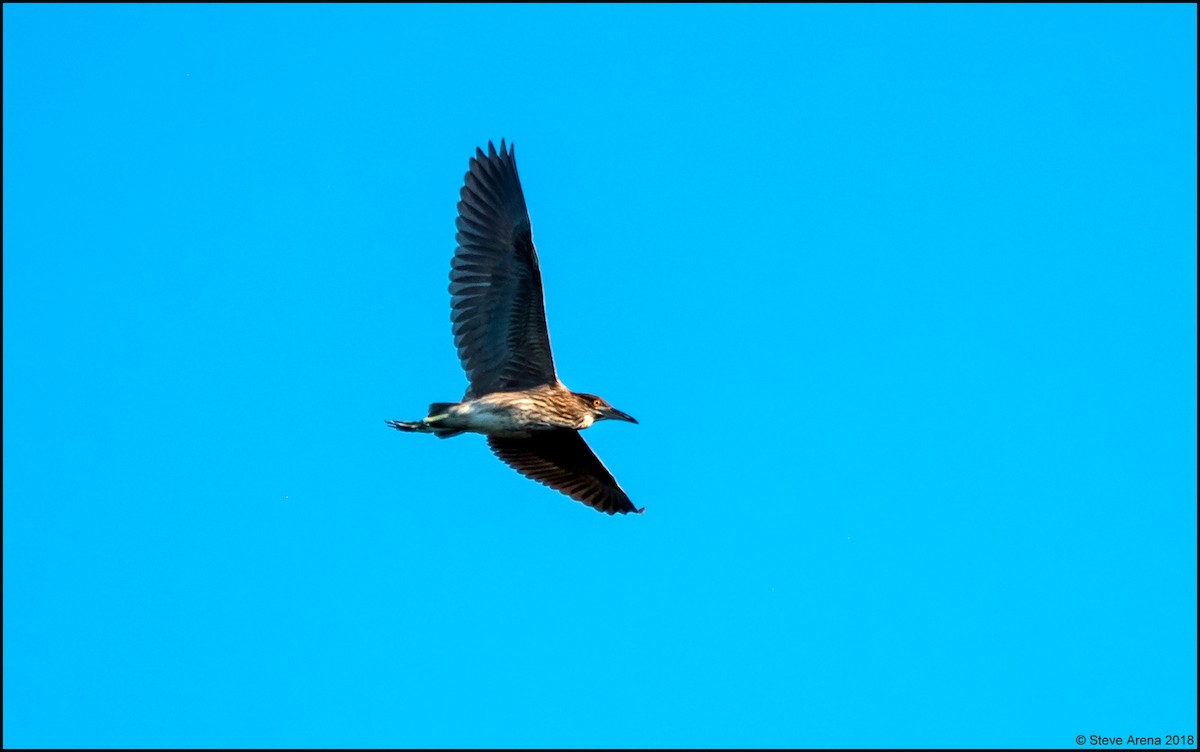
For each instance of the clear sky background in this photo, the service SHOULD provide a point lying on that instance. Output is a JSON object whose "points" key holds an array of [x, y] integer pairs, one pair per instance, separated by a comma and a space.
{"points": [[903, 297]]}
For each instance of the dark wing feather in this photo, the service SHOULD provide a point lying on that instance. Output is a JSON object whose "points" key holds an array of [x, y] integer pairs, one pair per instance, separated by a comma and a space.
{"points": [[562, 460], [496, 298]]}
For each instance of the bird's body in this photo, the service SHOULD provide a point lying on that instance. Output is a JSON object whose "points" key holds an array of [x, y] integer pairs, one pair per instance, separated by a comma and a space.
{"points": [[515, 398], [507, 414]]}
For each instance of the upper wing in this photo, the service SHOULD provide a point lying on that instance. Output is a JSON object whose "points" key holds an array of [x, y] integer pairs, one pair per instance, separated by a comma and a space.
{"points": [[562, 460], [495, 284]]}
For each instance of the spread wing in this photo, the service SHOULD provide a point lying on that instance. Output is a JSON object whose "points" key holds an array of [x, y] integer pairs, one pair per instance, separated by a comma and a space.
{"points": [[496, 300], [562, 460]]}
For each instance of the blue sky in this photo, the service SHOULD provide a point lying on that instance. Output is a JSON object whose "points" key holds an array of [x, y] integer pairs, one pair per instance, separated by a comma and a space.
{"points": [[903, 298]]}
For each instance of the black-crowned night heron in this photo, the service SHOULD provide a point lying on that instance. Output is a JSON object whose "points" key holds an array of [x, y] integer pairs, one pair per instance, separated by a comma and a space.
{"points": [[515, 398]]}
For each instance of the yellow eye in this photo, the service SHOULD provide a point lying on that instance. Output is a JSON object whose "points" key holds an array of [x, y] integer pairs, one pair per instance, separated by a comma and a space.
{"points": [[597, 403]]}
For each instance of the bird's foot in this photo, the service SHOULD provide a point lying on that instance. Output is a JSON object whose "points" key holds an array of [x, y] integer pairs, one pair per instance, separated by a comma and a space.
{"points": [[406, 425]]}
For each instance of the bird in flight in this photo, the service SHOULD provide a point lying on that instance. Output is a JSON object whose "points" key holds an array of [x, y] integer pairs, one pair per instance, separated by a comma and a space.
{"points": [[531, 420]]}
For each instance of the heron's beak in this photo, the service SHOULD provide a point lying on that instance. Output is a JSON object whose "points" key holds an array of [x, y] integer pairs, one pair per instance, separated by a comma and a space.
{"points": [[616, 414]]}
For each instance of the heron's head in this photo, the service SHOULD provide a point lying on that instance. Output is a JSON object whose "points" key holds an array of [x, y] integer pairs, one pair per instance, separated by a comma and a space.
{"points": [[600, 409]]}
